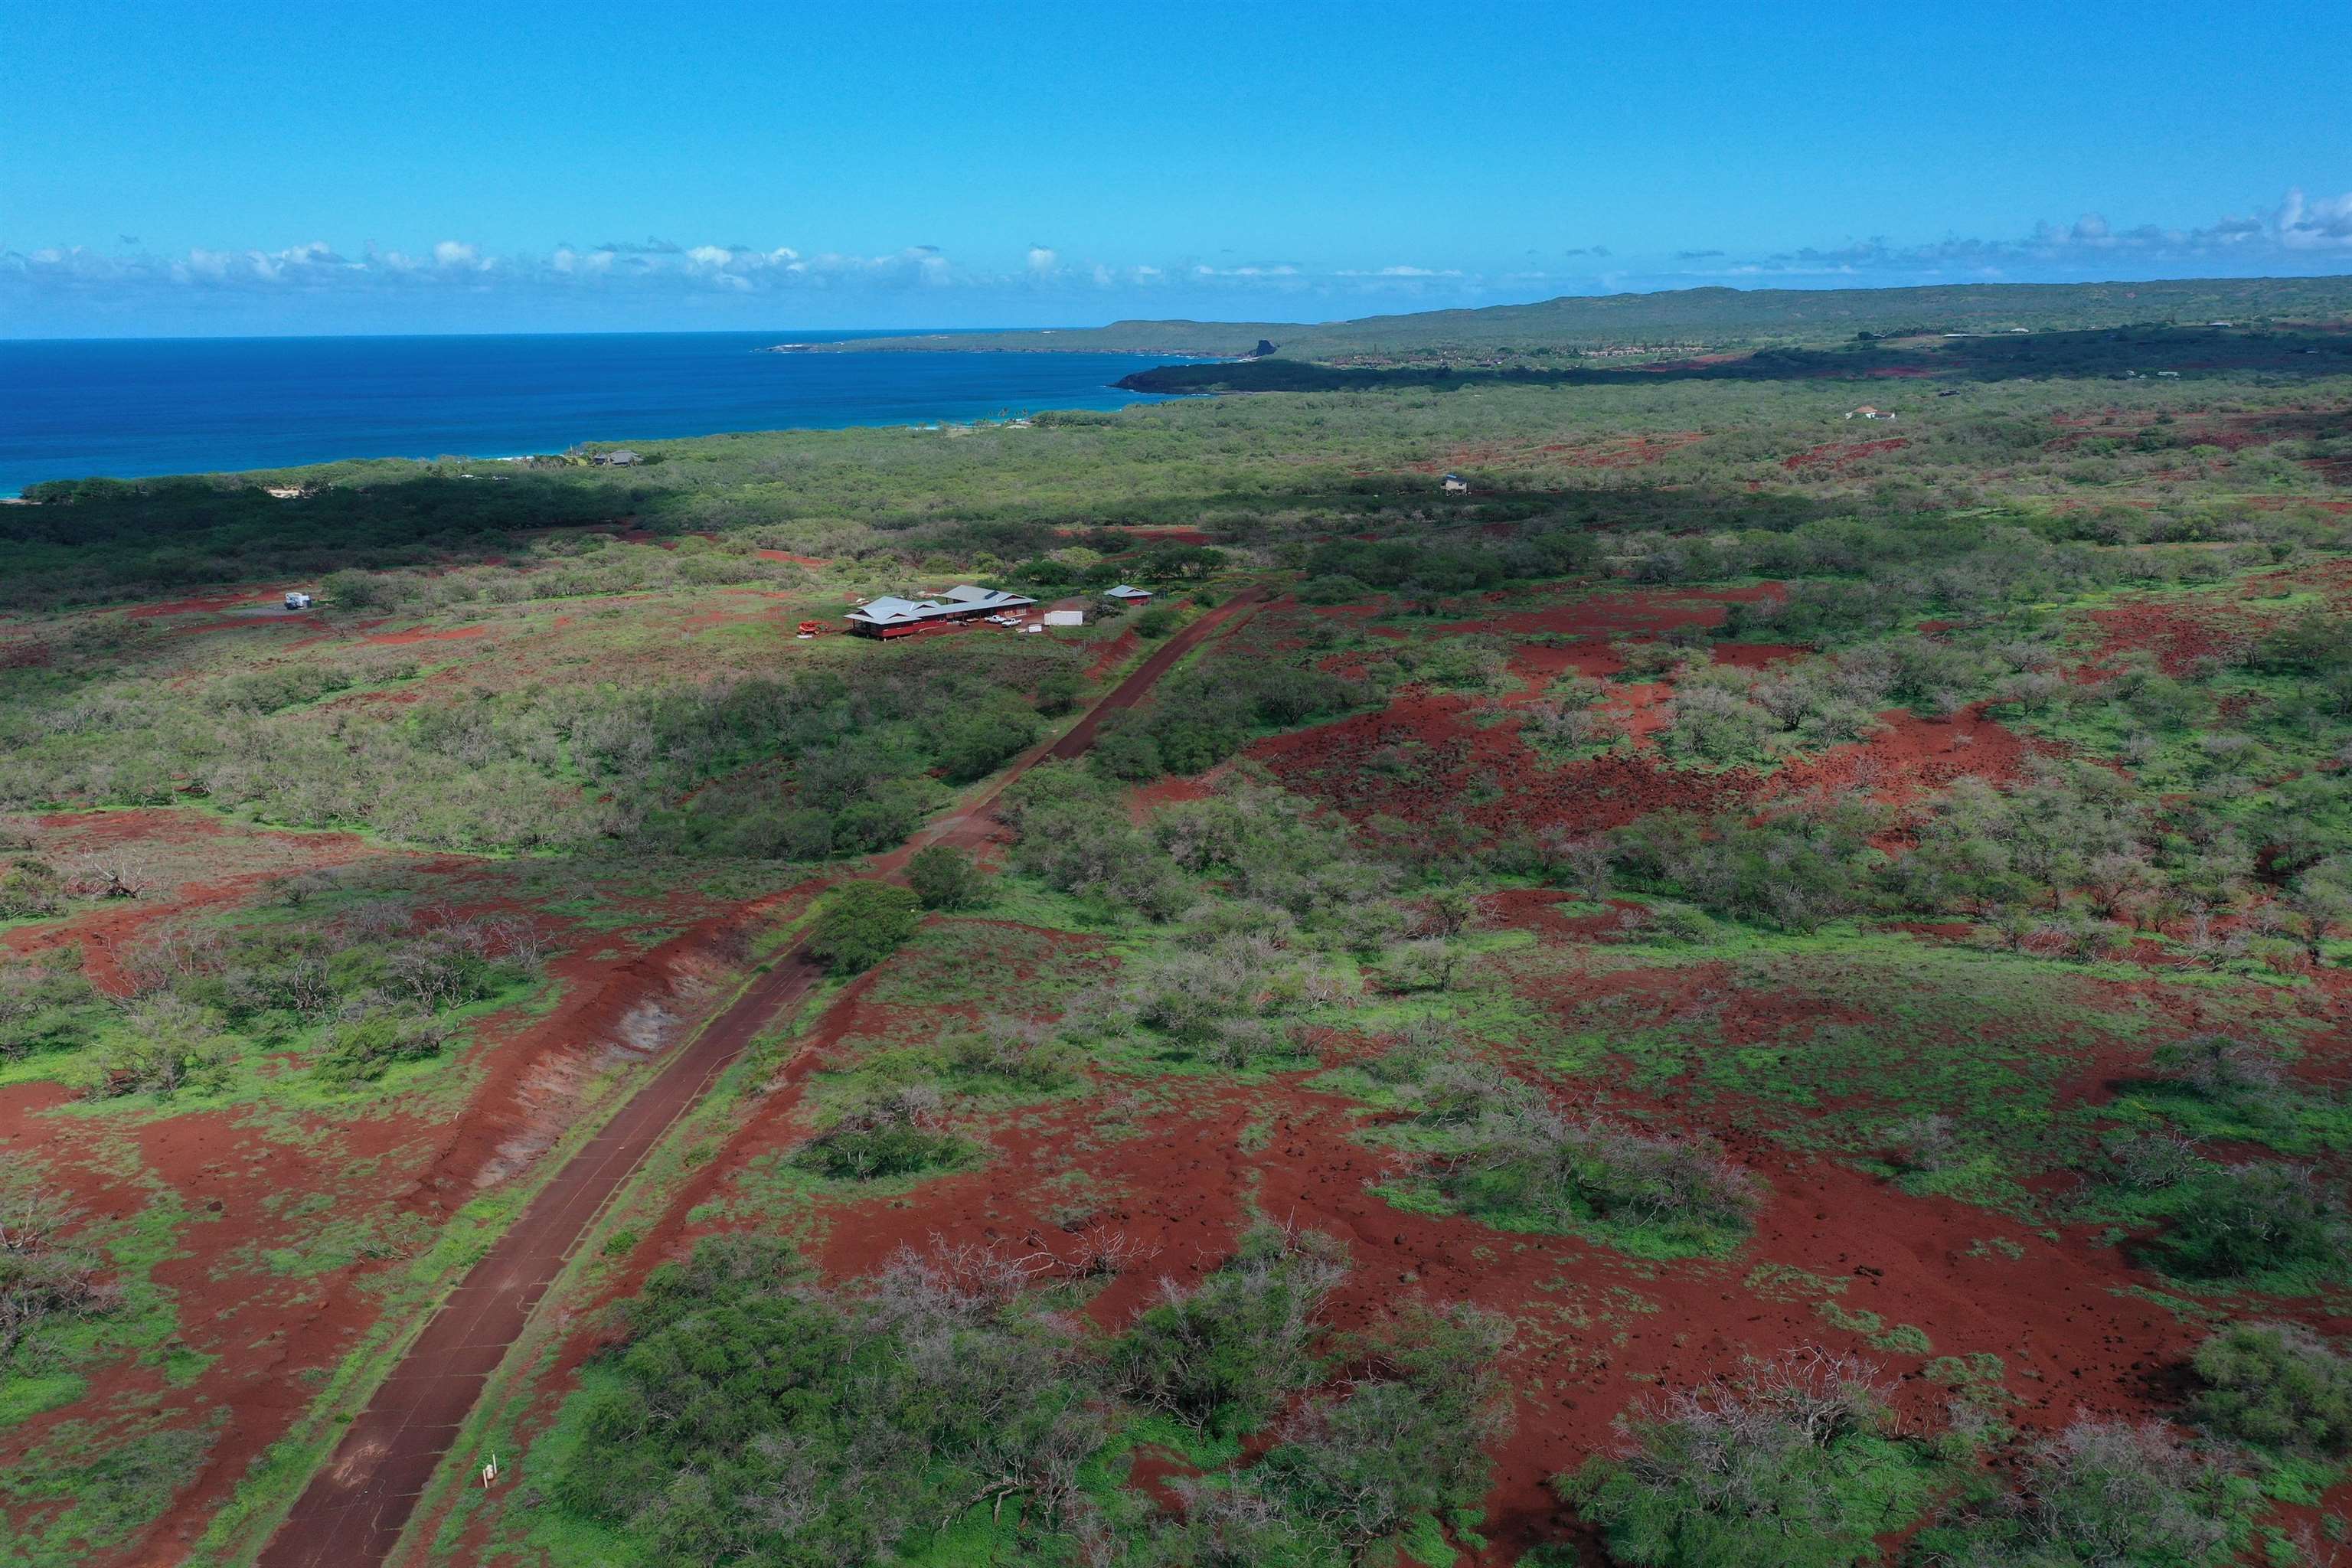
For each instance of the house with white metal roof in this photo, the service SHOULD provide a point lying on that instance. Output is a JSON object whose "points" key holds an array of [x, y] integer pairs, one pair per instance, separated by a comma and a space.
{"points": [[890, 616]]}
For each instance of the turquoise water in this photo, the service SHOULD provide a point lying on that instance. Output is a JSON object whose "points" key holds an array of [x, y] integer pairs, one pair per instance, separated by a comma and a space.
{"points": [[127, 408]]}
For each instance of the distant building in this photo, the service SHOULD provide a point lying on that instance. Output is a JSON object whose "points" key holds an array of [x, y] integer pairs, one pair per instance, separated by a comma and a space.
{"points": [[1066, 618], [298, 601], [1454, 484], [623, 458], [1867, 411], [890, 616], [1127, 593]]}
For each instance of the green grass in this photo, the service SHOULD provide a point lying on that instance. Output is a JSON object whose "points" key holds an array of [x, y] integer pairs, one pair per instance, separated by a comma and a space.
{"points": [[1863, 1031], [94, 1486]]}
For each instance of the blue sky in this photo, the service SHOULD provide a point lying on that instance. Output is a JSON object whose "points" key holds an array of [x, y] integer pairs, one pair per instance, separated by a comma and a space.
{"points": [[232, 166]]}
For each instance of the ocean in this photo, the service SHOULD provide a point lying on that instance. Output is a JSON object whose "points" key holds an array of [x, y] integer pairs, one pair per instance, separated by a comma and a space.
{"points": [[128, 408]]}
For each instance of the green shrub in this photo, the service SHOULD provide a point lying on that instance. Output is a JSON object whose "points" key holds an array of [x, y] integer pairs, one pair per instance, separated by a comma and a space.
{"points": [[1126, 751], [1058, 692], [1791, 1463], [1408, 1446], [1332, 588], [1523, 1162], [1019, 1055], [2102, 1494], [864, 923], [1224, 1355], [47, 1003], [164, 1044], [43, 1277], [2257, 1219], [29, 888], [751, 1419], [2276, 1385], [976, 743], [361, 1050], [897, 1133], [944, 876], [1156, 622]]}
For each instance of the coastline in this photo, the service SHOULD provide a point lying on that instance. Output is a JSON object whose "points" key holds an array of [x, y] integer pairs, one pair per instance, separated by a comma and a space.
{"points": [[153, 409]]}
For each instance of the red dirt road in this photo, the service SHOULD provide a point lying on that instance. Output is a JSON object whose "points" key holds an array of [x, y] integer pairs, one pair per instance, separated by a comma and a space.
{"points": [[351, 1513]]}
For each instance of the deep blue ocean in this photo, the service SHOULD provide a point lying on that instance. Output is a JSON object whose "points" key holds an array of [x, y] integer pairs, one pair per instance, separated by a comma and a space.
{"points": [[127, 409]]}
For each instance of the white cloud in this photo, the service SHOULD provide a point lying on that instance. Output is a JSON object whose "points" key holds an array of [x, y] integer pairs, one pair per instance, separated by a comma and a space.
{"points": [[2324, 225], [2299, 232]]}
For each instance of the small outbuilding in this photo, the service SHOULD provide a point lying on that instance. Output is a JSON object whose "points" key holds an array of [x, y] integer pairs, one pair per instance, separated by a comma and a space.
{"points": [[623, 458], [1066, 618], [1455, 484], [1127, 593], [298, 601]]}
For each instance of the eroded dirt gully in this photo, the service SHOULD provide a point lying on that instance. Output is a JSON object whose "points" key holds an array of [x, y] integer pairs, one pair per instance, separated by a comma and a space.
{"points": [[355, 1508]]}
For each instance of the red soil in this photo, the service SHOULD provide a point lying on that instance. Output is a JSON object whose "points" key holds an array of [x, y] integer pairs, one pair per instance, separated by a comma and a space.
{"points": [[1629, 613], [137, 840], [1756, 655], [1633, 452], [1594, 1331], [1431, 760], [1115, 652], [795, 560], [1908, 757], [1153, 533], [1836, 455], [424, 634], [1700, 362], [211, 603]]}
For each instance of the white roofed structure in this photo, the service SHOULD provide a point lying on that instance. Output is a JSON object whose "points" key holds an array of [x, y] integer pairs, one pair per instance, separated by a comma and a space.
{"points": [[890, 616]]}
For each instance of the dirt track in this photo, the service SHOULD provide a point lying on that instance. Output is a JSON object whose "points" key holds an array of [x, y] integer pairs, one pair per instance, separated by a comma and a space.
{"points": [[351, 1513]]}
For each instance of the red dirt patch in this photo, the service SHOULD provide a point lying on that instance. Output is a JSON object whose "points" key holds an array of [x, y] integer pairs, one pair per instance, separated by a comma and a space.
{"points": [[424, 634], [1835, 455], [1634, 613], [1115, 652], [211, 603], [1756, 655], [1159, 533], [1421, 760], [1908, 757]]}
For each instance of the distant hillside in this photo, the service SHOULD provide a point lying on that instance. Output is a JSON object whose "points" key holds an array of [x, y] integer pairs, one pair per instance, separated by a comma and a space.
{"points": [[1690, 319], [1219, 340]]}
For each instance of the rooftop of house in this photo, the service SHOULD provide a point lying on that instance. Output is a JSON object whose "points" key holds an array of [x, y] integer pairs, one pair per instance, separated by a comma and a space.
{"points": [[890, 608]]}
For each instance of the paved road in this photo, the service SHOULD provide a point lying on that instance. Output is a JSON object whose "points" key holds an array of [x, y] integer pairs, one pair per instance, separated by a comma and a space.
{"points": [[352, 1512]]}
